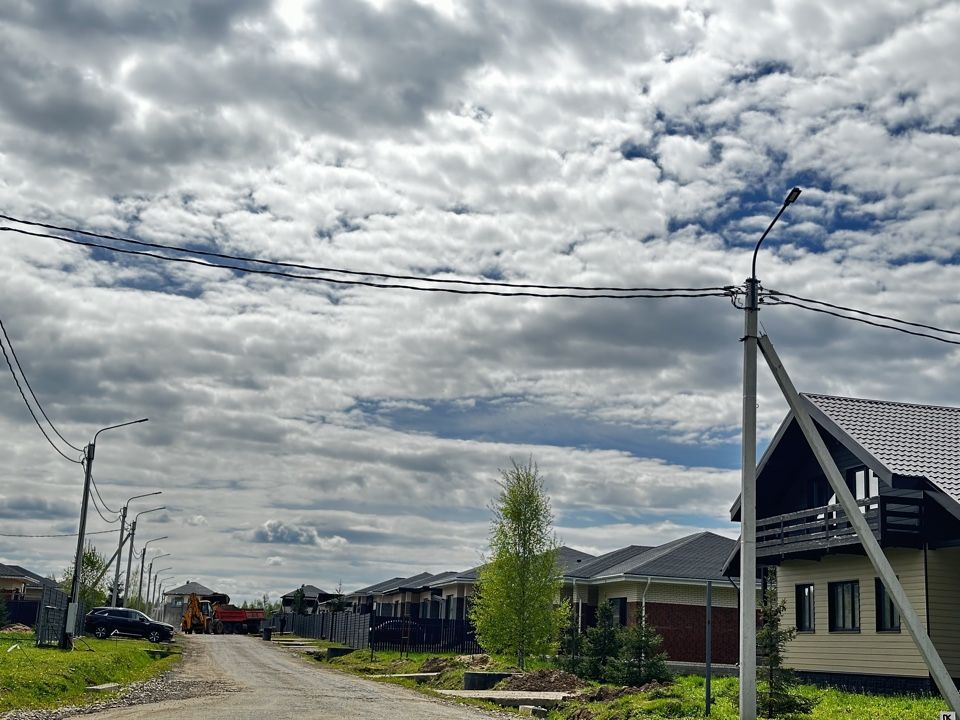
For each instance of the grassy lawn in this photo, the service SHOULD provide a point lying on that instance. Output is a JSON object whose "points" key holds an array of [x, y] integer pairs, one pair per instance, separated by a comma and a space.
{"points": [[682, 699], [32, 677]]}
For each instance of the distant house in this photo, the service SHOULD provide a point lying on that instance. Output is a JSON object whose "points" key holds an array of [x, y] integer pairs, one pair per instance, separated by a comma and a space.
{"points": [[666, 585], [902, 463], [19, 584], [362, 600], [313, 597]]}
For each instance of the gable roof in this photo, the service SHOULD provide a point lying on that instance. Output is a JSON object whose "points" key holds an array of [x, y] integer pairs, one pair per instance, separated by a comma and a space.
{"points": [[191, 587], [15, 572], [908, 440], [701, 556], [603, 562], [569, 558], [309, 591], [376, 587]]}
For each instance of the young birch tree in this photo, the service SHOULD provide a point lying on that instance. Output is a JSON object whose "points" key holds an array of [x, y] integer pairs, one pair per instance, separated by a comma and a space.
{"points": [[513, 607]]}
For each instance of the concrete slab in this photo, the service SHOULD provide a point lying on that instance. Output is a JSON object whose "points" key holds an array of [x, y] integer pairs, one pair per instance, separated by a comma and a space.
{"points": [[512, 698], [105, 687], [533, 710]]}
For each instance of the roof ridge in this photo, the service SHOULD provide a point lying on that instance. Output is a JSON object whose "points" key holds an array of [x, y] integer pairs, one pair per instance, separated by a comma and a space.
{"points": [[881, 402]]}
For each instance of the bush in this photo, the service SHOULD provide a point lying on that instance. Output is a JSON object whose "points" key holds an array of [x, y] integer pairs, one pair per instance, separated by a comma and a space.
{"points": [[602, 646], [641, 660]]}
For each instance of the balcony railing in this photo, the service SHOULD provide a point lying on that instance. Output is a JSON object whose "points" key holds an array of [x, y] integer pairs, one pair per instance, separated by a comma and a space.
{"points": [[895, 519]]}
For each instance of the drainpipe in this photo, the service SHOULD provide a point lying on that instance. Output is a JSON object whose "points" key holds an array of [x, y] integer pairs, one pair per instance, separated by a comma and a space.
{"points": [[643, 601]]}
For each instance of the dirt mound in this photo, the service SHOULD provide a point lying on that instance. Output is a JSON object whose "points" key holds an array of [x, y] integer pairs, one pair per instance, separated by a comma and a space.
{"points": [[476, 662], [608, 692], [16, 628], [580, 713], [543, 681], [436, 663]]}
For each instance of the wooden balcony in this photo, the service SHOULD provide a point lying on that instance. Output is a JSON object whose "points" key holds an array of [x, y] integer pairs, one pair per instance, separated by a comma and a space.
{"points": [[895, 519]]}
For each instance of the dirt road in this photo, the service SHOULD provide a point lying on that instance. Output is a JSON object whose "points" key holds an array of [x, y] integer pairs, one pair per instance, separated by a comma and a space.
{"points": [[264, 682]]}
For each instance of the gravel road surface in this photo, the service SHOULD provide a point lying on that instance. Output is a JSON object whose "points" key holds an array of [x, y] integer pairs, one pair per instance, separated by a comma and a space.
{"points": [[255, 680]]}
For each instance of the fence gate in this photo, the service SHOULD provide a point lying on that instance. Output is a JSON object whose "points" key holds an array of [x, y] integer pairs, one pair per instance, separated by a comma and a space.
{"points": [[51, 615]]}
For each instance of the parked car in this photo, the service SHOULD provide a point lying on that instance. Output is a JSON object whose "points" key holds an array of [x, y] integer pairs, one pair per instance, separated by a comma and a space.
{"points": [[106, 621]]}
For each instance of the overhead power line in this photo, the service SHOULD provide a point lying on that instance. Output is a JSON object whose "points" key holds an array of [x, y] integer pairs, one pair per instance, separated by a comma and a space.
{"points": [[778, 293], [340, 271], [96, 507], [102, 501], [16, 380], [57, 535], [778, 302]]}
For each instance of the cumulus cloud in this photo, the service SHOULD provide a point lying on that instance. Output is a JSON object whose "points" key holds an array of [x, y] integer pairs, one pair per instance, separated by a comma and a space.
{"points": [[601, 144]]}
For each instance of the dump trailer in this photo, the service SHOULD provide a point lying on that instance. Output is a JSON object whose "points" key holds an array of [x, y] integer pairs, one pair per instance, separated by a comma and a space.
{"points": [[231, 620]]}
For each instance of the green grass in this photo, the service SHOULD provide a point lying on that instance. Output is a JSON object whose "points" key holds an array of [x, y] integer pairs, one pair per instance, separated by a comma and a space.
{"points": [[32, 677], [685, 699]]}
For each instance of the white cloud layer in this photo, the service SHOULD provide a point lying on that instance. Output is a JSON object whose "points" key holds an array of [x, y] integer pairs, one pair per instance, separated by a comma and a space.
{"points": [[310, 433]]}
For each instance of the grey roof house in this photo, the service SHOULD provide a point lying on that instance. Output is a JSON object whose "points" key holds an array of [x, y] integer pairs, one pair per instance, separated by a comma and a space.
{"points": [[902, 463]]}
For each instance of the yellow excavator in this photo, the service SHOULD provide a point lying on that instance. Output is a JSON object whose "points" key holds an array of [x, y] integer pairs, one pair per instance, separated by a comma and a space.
{"points": [[197, 616]]}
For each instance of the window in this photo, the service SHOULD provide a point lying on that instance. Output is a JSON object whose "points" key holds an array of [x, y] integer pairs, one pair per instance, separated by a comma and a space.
{"points": [[844, 606], [804, 595], [619, 606], [888, 618]]}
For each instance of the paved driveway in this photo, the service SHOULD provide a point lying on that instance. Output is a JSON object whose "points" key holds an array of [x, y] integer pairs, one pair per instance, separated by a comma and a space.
{"points": [[264, 682]]}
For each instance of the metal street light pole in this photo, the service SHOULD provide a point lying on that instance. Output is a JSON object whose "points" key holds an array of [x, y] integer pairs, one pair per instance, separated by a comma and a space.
{"points": [[153, 595], [150, 574], [748, 488], [133, 537], [143, 561], [123, 539], [158, 605], [69, 622]]}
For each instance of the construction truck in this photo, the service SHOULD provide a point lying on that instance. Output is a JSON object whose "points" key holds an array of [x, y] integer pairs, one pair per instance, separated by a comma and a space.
{"points": [[197, 616], [231, 620]]}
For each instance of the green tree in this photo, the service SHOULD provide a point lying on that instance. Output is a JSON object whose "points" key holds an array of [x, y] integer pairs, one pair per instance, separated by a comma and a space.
{"points": [[570, 657], [602, 646], [93, 567], [299, 601], [338, 603], [513, 607], [641, 659], [777, 694]]}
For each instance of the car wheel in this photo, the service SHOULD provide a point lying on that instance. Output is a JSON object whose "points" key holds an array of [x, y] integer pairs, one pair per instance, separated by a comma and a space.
{"points": [[101, 632], [154, 636]]}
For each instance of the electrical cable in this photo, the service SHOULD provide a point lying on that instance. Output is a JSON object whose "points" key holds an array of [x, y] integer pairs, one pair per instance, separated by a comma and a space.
{"points": [[102, 501], [777, 293], [96, 532], [362, 273], [96, 507], [335, 281], [862, 320], [26, 381], [3, 347]]}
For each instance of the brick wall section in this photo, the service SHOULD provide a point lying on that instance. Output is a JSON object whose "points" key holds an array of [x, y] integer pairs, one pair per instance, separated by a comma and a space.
{"points": [[683, 628]]}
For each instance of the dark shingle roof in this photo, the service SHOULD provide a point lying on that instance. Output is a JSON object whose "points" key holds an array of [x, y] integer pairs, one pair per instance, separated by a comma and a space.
{"points": [[695, 557], [568, 557], [309, 591], [190, 587], [377, 587], [589, 568], [909, 440]]}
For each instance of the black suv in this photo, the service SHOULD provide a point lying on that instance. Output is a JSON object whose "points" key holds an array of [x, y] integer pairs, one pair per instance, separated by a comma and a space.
{"points": [[106, 621]]}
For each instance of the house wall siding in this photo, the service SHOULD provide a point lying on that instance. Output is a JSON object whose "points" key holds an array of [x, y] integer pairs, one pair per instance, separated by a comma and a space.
{"points": [[867, 652], [943, 587], [671, 593]]}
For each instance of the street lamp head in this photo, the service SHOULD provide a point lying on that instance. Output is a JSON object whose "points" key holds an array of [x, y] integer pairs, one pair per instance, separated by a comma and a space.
{"points": [[792, 196]]}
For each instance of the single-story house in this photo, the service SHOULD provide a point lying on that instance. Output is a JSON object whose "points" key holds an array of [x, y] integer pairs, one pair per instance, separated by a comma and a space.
{"points": [[19, 584], [902, 463], [362, 601], [312, 598]]}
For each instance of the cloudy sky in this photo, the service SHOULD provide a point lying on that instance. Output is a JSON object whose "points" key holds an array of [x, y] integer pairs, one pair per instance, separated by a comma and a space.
{"points": [[310, 432]]}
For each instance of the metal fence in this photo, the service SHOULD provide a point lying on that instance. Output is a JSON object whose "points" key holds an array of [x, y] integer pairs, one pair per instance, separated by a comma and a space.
{"points": [[382, 632], [51, 614]]}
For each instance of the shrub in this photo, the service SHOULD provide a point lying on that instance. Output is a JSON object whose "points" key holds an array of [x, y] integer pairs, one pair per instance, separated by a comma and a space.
{"points": [[602, 646]]}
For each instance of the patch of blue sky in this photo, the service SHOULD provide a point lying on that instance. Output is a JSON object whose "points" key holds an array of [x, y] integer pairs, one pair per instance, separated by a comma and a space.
{"points": [[519, 421]]}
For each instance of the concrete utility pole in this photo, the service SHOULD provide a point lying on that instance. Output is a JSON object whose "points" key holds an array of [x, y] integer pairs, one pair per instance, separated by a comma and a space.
{"points": [[123, 539], [133, 537], [70, 621], [748, 487], [851, 509]]}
